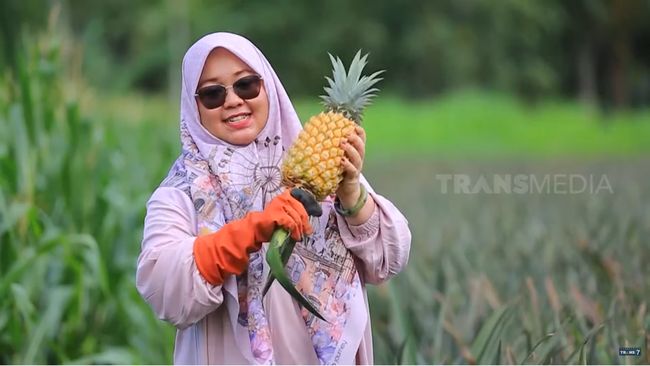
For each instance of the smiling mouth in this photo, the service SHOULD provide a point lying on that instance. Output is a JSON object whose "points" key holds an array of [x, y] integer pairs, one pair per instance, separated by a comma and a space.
{"points": [[237, 118]]}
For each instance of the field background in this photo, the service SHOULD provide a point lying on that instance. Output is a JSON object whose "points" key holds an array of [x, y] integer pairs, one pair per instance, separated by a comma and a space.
{"points": [[492, 278]]}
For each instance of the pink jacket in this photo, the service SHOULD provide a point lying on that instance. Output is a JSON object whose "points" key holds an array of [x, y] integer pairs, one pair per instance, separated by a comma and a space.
{"points": [[167, 278]]}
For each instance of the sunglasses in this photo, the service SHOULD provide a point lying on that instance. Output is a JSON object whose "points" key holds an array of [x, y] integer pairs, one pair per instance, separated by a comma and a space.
{"points": [[214, 96]]}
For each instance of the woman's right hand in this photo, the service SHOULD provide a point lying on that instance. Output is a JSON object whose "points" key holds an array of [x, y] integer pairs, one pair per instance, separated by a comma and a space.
{"points": [[285, 211], [226, 251]]}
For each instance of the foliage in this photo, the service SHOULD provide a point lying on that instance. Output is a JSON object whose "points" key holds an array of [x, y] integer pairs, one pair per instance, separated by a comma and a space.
{"points": [[70, 223], [471, 123], [491, 278], [516, 278], [595, 49]]}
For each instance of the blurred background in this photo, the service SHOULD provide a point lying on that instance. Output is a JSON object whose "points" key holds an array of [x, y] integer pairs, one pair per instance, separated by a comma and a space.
{"points": [[89, 95]]}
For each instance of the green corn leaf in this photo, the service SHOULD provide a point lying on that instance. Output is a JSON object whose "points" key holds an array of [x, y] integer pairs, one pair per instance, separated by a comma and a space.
{"points": [[12, 215], [285, 247], [274, 259], [112, 355], [24, 263], [49, 323], [23, 305]]}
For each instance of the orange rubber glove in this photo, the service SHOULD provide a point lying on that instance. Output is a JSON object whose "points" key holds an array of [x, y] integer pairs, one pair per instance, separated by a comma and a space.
{"points": [[226, 251]]}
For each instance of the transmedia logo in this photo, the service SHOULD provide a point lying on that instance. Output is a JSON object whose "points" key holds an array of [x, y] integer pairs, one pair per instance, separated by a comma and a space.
{"points": [[524, 184]]}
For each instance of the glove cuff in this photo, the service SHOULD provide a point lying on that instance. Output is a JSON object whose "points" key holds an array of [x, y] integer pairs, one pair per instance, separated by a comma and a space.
{"points": [[205, 261]]}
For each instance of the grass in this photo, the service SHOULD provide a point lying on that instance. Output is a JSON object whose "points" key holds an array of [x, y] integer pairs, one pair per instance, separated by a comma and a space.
{"points": [[537, 278], [467, 124]]}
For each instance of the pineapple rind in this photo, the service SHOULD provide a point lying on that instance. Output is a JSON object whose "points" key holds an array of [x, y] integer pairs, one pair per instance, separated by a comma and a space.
{"points": [[317, 168]]}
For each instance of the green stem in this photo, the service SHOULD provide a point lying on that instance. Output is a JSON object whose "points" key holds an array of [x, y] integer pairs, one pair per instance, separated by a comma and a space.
{"points": [[278, 253]]}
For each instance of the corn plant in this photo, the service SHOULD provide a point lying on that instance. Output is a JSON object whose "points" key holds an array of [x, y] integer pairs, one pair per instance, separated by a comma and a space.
{"points": [[71, 210]]}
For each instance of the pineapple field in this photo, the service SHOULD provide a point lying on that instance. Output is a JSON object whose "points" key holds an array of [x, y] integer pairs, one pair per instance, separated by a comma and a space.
{"points": [[547, 276]]}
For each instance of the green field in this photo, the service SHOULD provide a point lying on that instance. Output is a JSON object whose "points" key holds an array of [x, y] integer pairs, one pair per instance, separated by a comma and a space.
{"points": [[570, 269], [471, 123], [493, 278], [463, 124]]}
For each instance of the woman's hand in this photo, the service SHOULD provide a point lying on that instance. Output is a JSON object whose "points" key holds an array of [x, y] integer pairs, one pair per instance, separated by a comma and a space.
{"points": [[349, 189], [226, 251], [355, 149]]}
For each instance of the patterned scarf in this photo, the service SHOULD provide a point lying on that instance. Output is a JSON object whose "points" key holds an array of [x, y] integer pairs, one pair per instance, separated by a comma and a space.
{"points": [[226, 181]]}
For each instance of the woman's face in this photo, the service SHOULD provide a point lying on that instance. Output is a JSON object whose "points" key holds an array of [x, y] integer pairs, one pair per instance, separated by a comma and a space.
{"points": [[238, 121]]}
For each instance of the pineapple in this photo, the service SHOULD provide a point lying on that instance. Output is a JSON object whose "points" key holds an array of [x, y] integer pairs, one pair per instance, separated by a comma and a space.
{"points": [[313, 162], [312, 165]]}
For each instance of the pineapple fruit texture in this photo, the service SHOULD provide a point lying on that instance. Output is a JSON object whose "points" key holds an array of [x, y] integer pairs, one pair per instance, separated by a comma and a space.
{"points": [[313, 162]]}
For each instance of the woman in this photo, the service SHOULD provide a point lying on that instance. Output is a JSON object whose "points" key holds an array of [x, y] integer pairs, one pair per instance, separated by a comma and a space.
{"points": [[202, 264]]}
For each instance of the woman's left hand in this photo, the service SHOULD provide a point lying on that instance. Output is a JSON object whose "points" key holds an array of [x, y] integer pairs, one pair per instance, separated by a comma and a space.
{"points": [[355, 149]]}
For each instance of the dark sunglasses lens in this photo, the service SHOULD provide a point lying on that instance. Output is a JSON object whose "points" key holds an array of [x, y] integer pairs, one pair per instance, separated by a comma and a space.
{"points": [[212, 96], [248, 87]]}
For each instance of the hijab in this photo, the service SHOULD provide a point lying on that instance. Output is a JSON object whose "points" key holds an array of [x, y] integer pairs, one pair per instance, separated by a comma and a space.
{"points": [[226, 181]]}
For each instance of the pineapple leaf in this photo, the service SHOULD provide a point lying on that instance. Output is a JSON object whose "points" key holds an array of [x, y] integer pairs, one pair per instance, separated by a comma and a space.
{"points": [[356, 67], [350, 92]]}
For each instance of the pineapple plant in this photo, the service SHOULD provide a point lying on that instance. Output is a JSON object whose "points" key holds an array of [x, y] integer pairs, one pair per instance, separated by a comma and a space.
{"points": [[313, 162], [312, 165]]}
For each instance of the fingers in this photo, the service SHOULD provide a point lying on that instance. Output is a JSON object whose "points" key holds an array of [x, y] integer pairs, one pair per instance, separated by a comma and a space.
{"points": [[361, 133], [354, 148], [300, 215], [301, 221], [295, 220], [358, 143], [349, 169]]}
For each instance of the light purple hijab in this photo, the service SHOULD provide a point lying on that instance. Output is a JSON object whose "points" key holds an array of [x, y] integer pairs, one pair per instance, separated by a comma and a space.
{"points": [[225, 181]]}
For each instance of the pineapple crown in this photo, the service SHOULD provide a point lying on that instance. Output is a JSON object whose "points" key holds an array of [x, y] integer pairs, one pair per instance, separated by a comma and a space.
{"points": [[350, 93]]}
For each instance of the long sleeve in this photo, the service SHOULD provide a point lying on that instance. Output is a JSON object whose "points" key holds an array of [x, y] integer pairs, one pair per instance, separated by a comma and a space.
{"points": [[167, 276], [382, 244]]}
